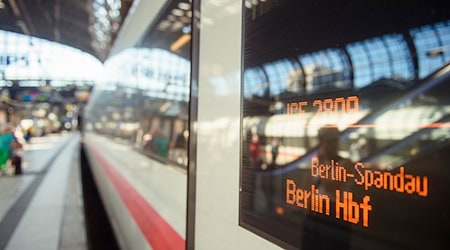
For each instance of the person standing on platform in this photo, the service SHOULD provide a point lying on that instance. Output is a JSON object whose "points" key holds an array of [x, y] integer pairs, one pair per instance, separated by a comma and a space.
{"points": [[28, 135], [6, 138], [321, 232], [254, 151], [275, 145], [16, 151]]}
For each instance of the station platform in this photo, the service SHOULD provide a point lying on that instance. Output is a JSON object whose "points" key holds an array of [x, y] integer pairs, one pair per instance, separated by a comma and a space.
{"points": [[43, 207]]}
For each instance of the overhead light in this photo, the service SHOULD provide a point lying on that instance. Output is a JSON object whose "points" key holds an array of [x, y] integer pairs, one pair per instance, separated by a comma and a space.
{"points": [[184, 6], [177, 12], [185, 19], [177, 25], [171, 18], [2, 5], [437, 51], [180, 42]]}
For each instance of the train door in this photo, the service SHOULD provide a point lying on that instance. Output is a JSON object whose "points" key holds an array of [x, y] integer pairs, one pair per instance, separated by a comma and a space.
{"points": [[360, 92]]}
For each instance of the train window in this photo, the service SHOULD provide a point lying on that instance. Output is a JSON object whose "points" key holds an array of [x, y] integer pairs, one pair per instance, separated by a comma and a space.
{"points": [[346, 123], [144, 101]]}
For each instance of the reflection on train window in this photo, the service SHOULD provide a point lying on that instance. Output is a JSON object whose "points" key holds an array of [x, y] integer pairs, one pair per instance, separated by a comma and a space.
{"points": [[144, 104], [254, 84], [346, 124]]}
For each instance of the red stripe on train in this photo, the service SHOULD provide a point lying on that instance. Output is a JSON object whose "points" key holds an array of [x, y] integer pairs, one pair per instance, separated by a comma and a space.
{"points": [[159, 234]]}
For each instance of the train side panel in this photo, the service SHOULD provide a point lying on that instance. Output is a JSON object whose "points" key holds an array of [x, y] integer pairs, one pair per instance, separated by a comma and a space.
{"points": [[145, 199], [218, 150], [125, 229]]}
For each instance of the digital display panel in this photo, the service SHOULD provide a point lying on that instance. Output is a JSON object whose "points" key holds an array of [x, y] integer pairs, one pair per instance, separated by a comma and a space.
{"points": [[346, 124]]}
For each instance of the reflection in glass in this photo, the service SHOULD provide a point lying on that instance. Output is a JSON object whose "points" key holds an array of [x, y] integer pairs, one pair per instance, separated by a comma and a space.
{"points": [[144, 101], [384, 87]]}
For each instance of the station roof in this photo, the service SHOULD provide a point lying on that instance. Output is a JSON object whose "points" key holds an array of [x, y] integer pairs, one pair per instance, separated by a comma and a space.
{"points": [[89, 25]]}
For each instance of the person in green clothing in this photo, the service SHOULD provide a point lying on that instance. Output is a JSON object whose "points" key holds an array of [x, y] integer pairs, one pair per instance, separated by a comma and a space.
{"points": [[6, 138]]}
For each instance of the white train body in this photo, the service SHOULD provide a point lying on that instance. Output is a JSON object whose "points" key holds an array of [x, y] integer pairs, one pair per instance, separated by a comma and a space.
{"points": [[167, 135]]}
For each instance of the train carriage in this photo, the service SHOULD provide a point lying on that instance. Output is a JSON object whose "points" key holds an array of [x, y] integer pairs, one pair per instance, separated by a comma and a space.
{"points": [[229, 124]]}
